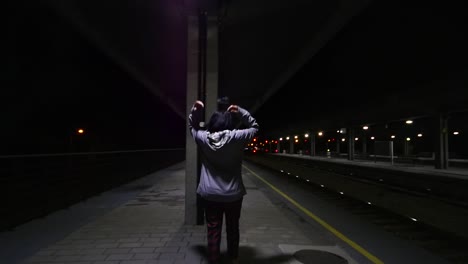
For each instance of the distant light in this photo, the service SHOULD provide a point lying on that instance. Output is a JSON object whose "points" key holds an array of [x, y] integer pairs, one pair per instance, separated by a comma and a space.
{"points": [[80, 131], [414, 219], [372, 138], [289, 173], [408, 139], [381, 180], [266, 141], [329, 140], [295, 136], [282, 170], [356, 139], [321, 185], [308, 180], [456, 133], [328, 150], [419, 135], [306, 135], [281, 139], [338, 131], [365, 127], [297, 176], [409, 122], [297, 140], [320, 133], [341, 192], [369, 203], [343, 139], [287, 138], [393, 136], [254, 139]]}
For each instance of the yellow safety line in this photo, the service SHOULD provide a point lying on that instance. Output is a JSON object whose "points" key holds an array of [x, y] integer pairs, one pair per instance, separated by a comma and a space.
{"points": [[337, 233]]}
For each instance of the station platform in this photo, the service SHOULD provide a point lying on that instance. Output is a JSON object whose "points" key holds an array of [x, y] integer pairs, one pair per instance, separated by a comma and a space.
{"points": [[451, 172], [143, 222]]}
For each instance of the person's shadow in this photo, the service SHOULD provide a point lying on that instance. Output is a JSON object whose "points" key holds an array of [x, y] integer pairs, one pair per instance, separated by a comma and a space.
{"points": [[247, 255]]}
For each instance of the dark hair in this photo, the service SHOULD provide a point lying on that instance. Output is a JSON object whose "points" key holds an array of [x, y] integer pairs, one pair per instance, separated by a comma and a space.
{"points": [[220, 121], [223, 103]]}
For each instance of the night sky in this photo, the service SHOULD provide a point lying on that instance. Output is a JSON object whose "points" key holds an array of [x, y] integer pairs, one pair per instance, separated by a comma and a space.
{"points": [[392, 61], [58, 82]]}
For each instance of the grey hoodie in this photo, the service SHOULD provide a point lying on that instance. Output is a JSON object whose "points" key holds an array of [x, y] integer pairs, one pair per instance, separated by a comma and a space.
{"points": [[221, 157]]}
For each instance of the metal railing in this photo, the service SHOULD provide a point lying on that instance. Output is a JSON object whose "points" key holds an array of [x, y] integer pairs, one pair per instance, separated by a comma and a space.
{"points": [[35, 185]]}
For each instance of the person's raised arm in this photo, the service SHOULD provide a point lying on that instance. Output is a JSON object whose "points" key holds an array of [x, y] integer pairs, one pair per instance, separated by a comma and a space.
{"points": [[247, 120], [195, 116]]}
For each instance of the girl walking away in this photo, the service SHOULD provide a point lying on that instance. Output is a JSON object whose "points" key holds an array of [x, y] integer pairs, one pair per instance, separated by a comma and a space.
{"points": [[221, 149]]}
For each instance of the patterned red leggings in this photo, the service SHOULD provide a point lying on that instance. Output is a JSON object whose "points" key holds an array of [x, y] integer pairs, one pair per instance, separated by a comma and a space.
{"points": [[214, 222]]}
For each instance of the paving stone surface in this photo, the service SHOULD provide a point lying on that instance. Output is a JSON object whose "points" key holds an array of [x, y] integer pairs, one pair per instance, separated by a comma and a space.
{"points": [[150, 228]]}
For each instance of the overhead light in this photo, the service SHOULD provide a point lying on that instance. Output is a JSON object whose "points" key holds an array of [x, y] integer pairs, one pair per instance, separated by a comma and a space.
{"points": [[281, 139], [295, 136], [356, 139], [408, 139], [320, 133], [409, 122], [456, 133], [393, 136], [419, 135], [343, 139], [372, 138], [287, 138], [365, 127], [306, 135]]}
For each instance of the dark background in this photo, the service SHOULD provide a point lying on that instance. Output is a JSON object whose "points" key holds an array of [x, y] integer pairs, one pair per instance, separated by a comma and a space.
{"points": [[117, 69]]}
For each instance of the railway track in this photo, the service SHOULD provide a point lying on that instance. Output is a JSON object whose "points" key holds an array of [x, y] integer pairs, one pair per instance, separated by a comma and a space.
{"points": [[446, 245]]}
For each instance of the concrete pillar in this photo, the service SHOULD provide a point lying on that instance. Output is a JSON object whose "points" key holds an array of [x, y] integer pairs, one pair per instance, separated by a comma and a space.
{"points": [[191, 152], [338, 146], [212, 62], [441, 150], [202, 84], [312, 145], [350, 144], [364, 145], [291, 145]]}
